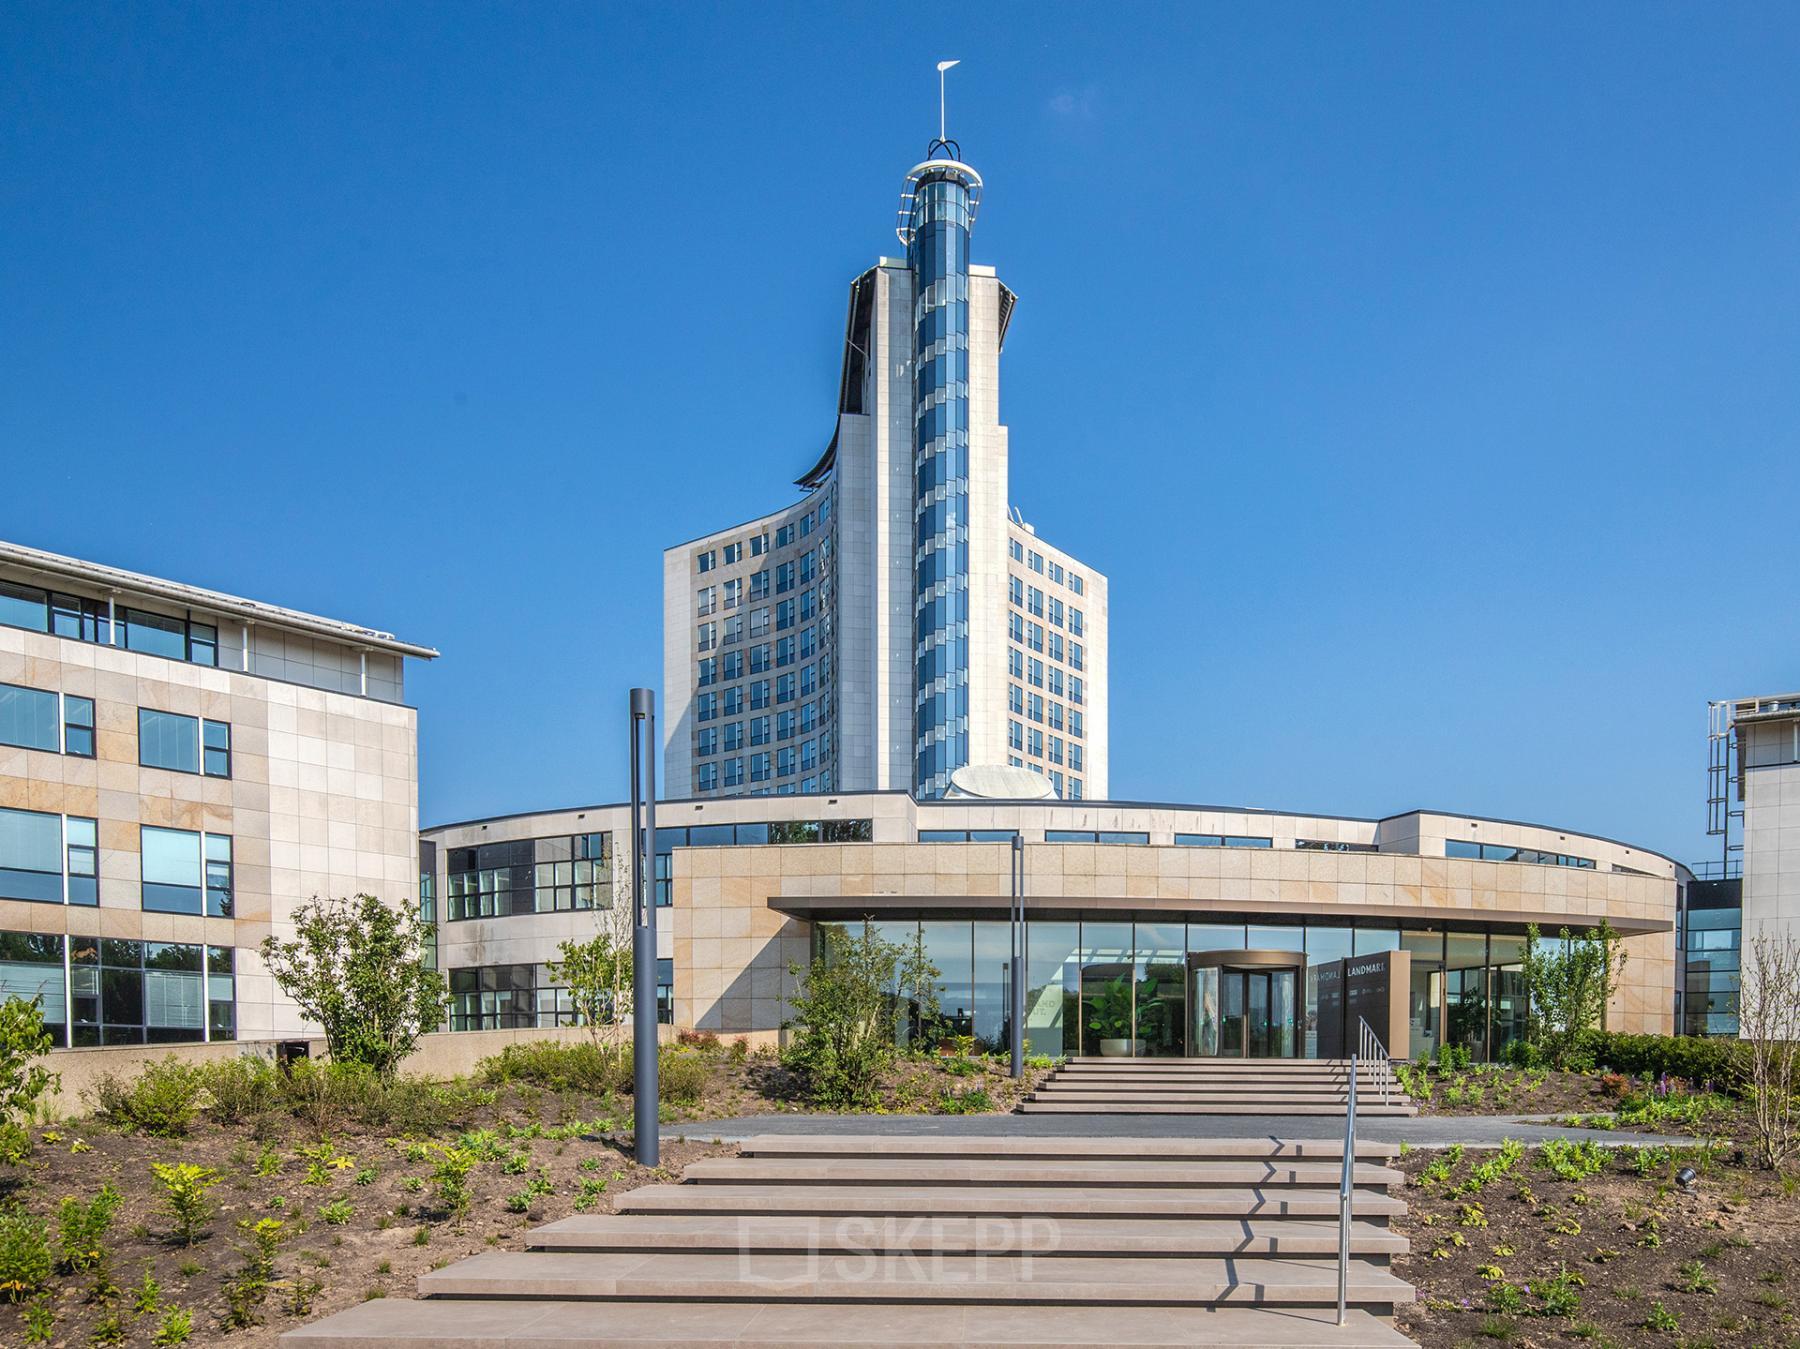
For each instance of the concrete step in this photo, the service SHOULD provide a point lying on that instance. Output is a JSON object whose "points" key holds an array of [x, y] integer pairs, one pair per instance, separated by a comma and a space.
{"points": [[1227, 1065], [1072, 1148], [1120, 1105], [1016, 1201], [951, 1171], [1156, 1091], [955, 1234], [516, 1324], [857, 1277]]}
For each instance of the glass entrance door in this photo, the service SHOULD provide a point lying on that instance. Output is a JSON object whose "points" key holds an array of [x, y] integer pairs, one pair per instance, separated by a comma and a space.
{"points": [[1252, 1014]]}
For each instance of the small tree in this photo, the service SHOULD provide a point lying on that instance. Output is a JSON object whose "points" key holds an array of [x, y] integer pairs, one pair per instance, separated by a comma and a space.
{"points": [[919, 994], [844, 1038], [1769, 1025], [1568, 988], [23, 1039], [594, 971], [353, 967]]}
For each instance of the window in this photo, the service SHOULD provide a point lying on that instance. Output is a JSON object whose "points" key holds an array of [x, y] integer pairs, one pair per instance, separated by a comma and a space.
{"points": [[1056, 680], [1077, 625], [759, 767], [1075, 789], [1329, 845], [558, 874], [734, 630], [1076, 584], [1015, 627], [508, 997], [1095, 836], [784, 615], [1221, 841], [31, 856], [1015, 591], [733, 701], [784, 688], [706, 636], [1055, 715], [733, 551], [759, 544], [1015, 735], [1501, 852], [167, 740], [53, 722], [1035, 677], [133, 992], [1075, 694], [706, 706], [706, 599], [1034, 742], [1055, 753], [1056, 611], [734, 772], [784, 535], [1056, 572], [1015, 699], [1074, 757], [1034, 704], [1034, 601], [706, 777], [706, 560], [185, 872], [759, 584], [733, 667], [1036, 562], [734, 736], [967, 835], [1015, 662], [1075, 655], [215, 749], [24, 607], [759, 694], [707, 672], [706, 741], [784, 761], [808, 567], [759, 730], [784, 651], [1017, 550], [759, 621], [784, 577], [1056, 646], [1034, 636], [31, 967], [734, 593], [761, 658], [1075, 720]]}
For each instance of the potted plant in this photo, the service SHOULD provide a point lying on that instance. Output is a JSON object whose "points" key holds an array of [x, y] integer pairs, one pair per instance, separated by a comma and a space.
{"points": [[1110, 1019]]}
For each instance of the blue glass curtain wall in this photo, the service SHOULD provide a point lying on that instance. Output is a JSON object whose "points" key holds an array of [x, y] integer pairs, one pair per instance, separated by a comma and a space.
{"points": [[1084, 975], [939, 258]]}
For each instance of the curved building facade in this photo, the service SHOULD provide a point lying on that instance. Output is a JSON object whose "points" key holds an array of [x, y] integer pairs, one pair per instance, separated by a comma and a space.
{"points": [[1208, 930]]}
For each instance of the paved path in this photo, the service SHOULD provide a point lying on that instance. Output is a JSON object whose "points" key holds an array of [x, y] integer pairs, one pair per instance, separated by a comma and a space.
{"points": [[1433, 1131]]}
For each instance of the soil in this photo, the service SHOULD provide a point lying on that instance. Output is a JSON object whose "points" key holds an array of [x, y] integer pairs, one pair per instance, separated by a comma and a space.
{"points": [[1657, 1265], [396, 1225], [1495, 1090]]}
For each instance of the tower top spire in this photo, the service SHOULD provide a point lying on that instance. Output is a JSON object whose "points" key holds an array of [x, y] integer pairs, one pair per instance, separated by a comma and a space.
{"points": [[943, 132]]}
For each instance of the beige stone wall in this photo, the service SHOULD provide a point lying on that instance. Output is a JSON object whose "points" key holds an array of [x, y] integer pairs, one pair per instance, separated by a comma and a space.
{"points": [[732, 948], [323, 800]]}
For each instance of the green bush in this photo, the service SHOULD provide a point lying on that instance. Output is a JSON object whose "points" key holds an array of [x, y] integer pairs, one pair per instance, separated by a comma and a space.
{"points": [[162, 1100], [1699, 1060], [328, 1095], [558, 1067], [242, 1088], [83, 1228], [681, 1077], [23, 1041], [24, 1254], [184, 1195]]}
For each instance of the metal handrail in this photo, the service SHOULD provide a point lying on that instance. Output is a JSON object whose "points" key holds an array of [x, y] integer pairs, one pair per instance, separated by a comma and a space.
{"points": [[1369, 1046], [1346, 1188]]}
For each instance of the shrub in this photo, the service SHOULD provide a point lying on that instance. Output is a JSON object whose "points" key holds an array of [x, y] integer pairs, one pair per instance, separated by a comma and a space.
{"points": [[353, 966], [579, 1067], [1572, 1161], [82, 1229], [698, 1039], [184, 1195], [246, 1290], [337, 1212], [1699, 1060], [24, 1254], [681, 1078], [23, 1040], [1568, 984], [242, 1088], [452, 1176], [844, 1038], [162, 1100], [174, 1328]]}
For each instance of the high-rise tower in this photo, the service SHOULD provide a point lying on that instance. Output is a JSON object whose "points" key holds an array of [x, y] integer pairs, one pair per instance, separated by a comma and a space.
{"points": [[900, 620]]}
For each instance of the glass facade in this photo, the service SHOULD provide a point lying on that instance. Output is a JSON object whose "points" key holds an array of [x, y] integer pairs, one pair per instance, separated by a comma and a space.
{"points": [[938, 254], [1130, 982], [1710, 933], [531, 875]]}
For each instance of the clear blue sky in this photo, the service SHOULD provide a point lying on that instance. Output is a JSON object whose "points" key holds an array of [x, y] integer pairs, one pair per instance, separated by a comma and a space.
{"points": [[1426, 378]]}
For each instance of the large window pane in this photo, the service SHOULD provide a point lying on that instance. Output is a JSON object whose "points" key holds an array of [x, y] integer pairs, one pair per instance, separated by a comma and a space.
{"points": [[166, 740], [28, 718], [31, 856], [171, 870], [1052, 988], [1107, 1001], [1161, 972], [156, 634], [23, 607]]}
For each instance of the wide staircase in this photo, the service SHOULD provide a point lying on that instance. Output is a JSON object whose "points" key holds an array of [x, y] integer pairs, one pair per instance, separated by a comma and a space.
{"points": [[916, 1240], [1280, 1087]]}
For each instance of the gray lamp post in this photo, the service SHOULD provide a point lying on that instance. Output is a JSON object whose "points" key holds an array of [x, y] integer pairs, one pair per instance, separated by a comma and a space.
{"points": [[643, 935], [1018, 956]]}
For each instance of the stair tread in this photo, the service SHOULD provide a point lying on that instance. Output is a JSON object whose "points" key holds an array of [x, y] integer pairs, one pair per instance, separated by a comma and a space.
{"points": [[957, 1233], [933, 1145], [855, 1276], [915, 1171], [1217, 1201], [1264, 1107], [456, 1324]]}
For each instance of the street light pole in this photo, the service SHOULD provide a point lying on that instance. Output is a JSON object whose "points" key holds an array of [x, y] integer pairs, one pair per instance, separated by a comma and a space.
{"points": [[645, 1112], [1018, 956]]}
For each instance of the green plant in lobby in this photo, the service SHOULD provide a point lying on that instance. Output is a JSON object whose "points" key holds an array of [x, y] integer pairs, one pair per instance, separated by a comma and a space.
{"points": [[1568, 986], [1121, 1012], [353, 966], [844, 1024]]}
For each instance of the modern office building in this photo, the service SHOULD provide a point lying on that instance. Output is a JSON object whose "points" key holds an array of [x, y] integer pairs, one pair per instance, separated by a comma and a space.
{"points": [[900, 620], [1226, 931], [178, 769]]}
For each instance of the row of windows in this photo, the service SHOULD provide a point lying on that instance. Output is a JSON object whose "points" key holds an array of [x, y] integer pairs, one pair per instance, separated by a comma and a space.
{"points": [[523, 997], [764, 730], [1501, 852], [1037, 562], [96, 991], [1034, 672], [543, 875], [63, 723], [764, 766], [707, 559], [1034, 602], [87, 620], [1070, 789], [967, 835], [750, 835], [761, 693], [58, 723]]}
